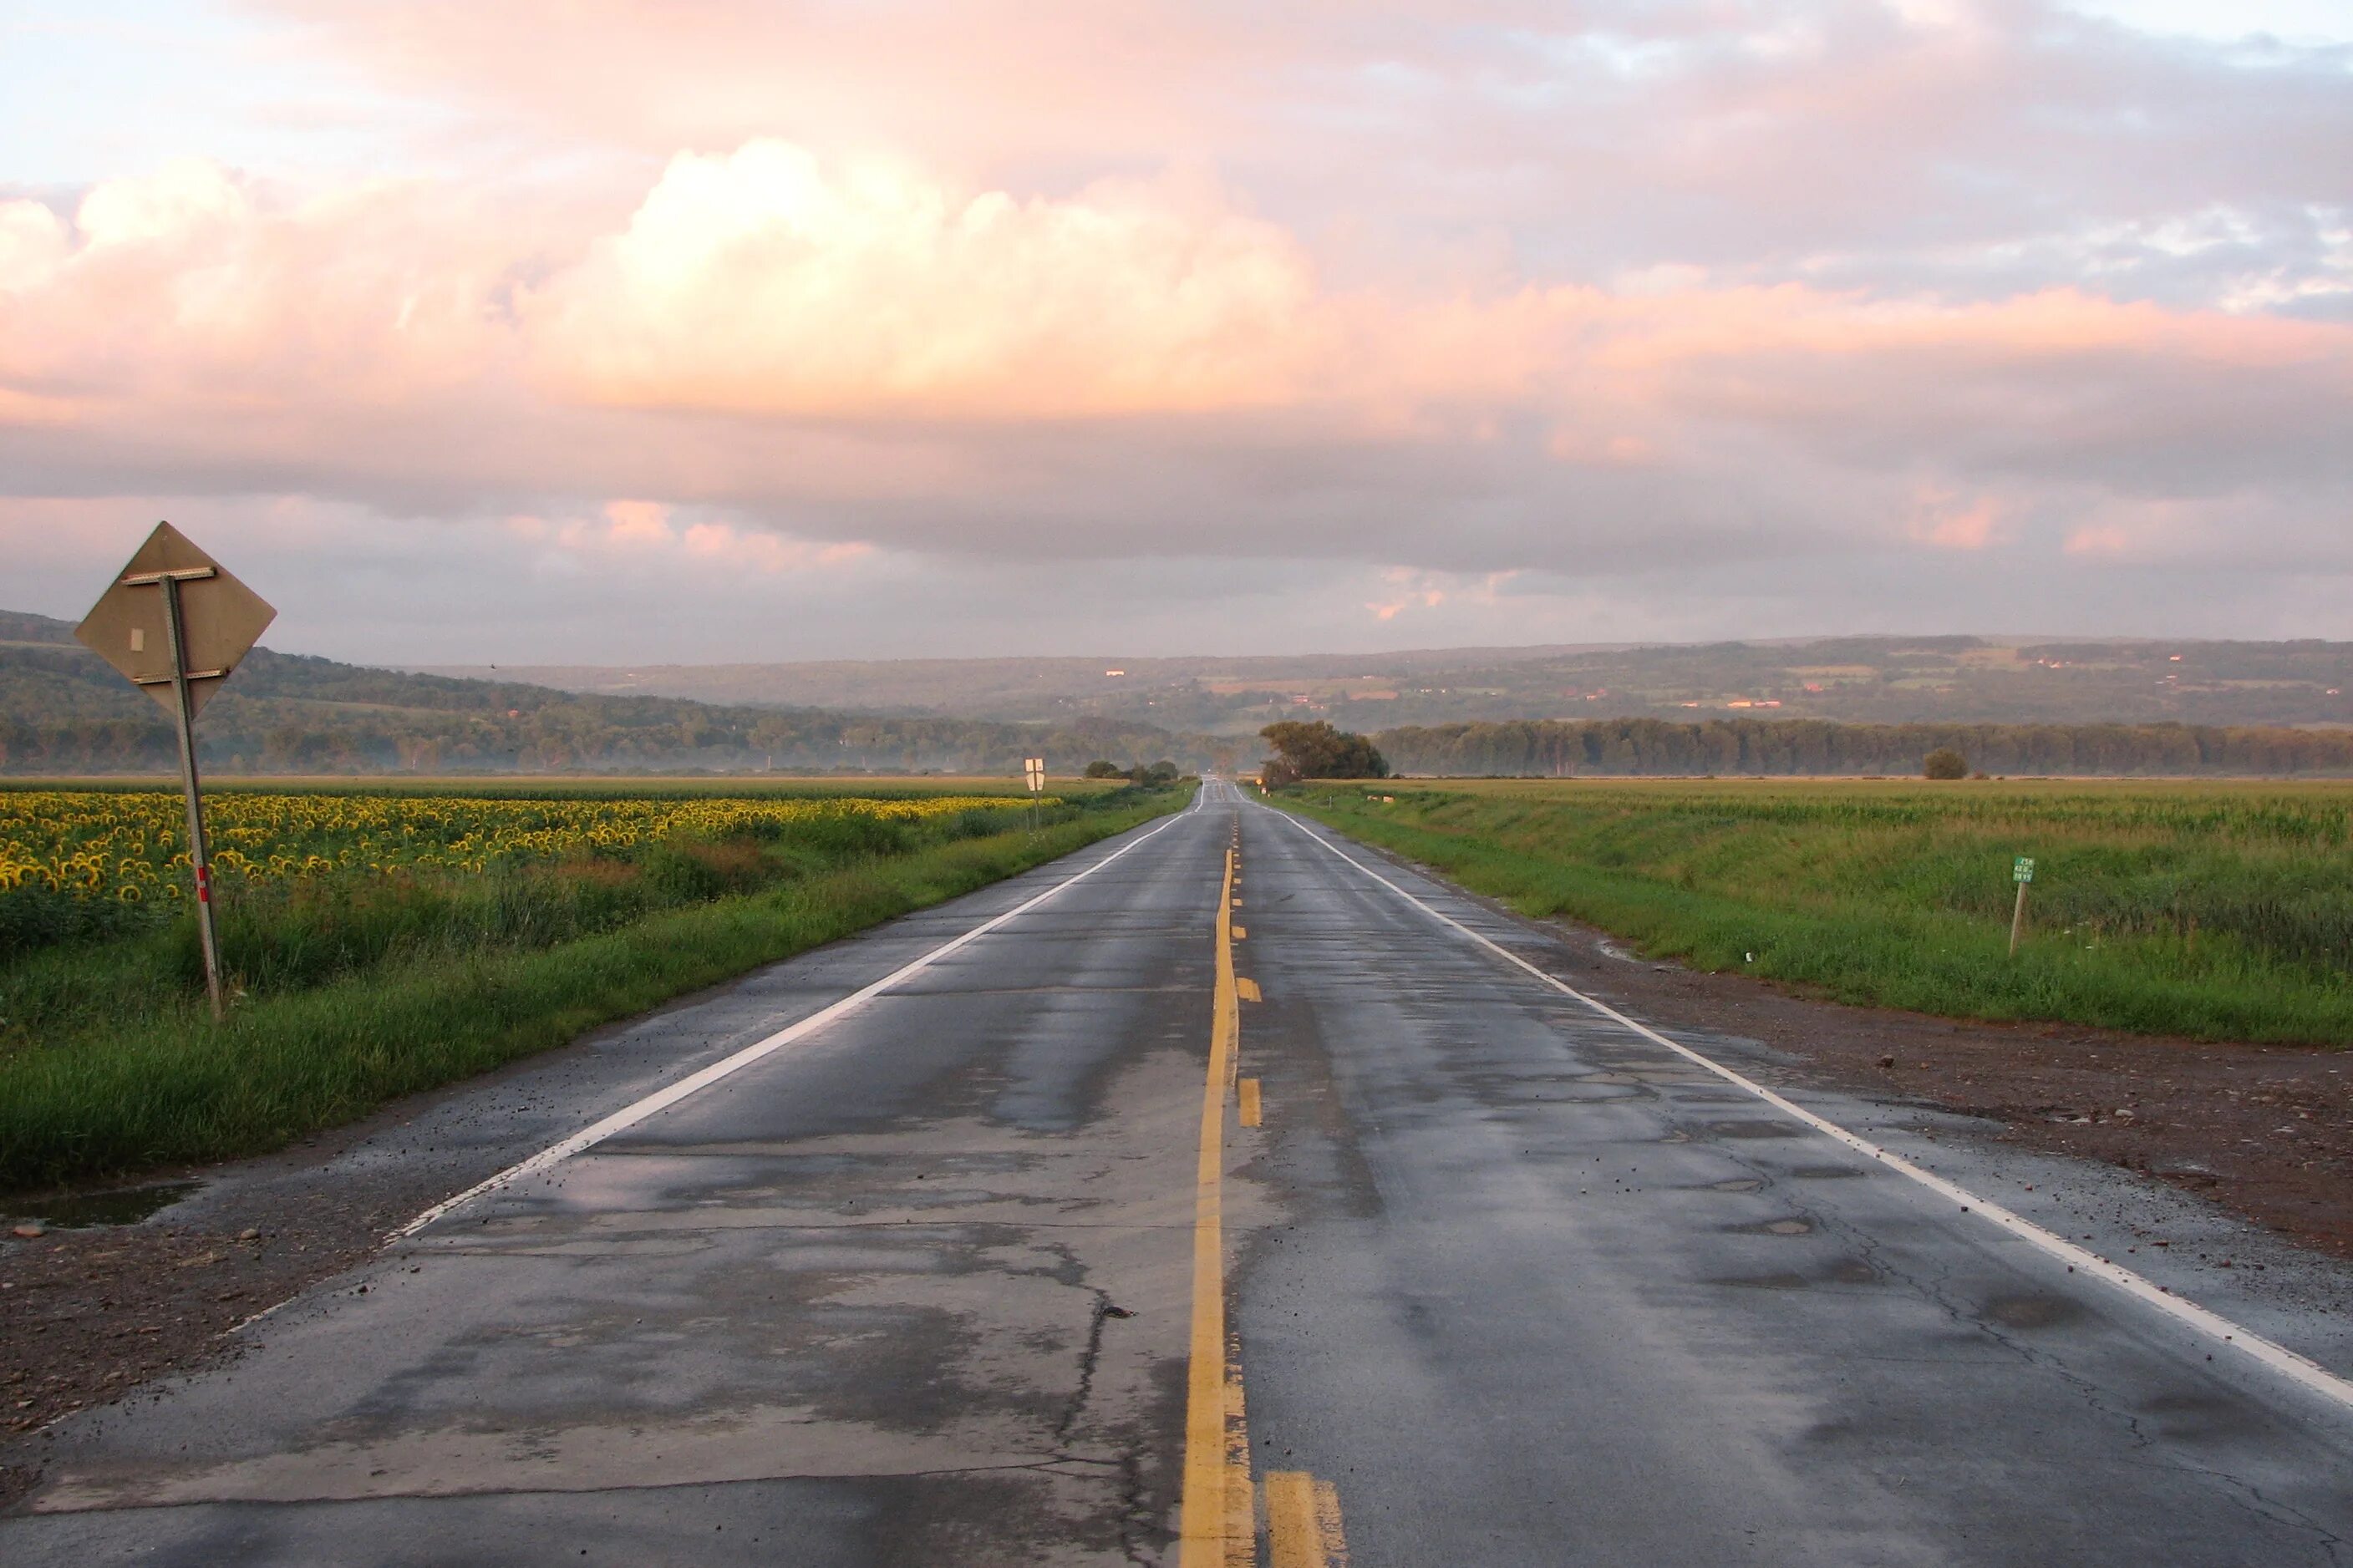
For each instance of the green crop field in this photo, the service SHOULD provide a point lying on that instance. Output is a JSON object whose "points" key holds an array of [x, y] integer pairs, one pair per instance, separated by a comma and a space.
{"points": [[2217, 910], [381, 941]]}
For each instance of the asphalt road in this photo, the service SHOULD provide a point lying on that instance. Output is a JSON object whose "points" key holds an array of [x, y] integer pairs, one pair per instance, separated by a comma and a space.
{"points": [[965, 1272]]}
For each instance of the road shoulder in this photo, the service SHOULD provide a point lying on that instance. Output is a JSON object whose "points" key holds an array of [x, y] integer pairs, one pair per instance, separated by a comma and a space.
{"points": [[2224, 1181]]}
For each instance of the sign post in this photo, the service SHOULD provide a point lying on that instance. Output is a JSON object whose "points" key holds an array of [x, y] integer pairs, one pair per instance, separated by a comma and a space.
{"points": [[1034, 769], [175, 622], [2022, 871]]}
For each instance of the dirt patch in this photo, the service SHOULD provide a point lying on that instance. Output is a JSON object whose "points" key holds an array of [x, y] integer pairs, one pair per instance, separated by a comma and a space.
{"points": [[88, 1315], [2265, 1131]]}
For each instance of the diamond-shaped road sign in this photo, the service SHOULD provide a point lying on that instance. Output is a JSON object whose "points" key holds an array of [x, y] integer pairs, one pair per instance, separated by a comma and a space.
{"points": [[220, 620]]}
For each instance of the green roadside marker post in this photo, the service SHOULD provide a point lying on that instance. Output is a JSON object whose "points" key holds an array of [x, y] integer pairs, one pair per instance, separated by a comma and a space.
{"points": [[2022, 871]]}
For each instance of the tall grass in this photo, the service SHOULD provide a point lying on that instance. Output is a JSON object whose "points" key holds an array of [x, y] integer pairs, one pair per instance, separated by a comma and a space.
{"points": [[357, 990], [2216, 910]]}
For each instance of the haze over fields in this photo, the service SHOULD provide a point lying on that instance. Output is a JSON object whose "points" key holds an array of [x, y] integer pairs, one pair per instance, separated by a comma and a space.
{"points": [[1882, 680], [612, 333], [1466, 711]]}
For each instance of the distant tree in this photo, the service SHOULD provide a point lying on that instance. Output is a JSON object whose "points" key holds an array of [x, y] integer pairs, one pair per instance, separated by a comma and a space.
{"points": [[1160, 773], [1945, 763], [1100, 768], [1318, 751]]}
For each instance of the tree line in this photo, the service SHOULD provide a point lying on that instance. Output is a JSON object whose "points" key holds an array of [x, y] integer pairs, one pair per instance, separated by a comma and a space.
{"points": [[263, 737], [64, 711], [1635, 747]]}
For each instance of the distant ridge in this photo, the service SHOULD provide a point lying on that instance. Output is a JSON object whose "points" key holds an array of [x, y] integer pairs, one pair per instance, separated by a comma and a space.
{"points": [[62, 710], [1819, 705], [1940, 679], [19, 627]]}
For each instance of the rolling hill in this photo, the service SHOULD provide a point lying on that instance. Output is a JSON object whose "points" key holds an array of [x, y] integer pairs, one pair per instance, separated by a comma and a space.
{"points": [[1873, 680], [1831, 705], [62, 710]]}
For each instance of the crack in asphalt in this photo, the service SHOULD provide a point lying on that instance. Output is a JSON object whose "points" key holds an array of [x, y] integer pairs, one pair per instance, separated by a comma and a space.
{"points": [[1135, 1523], [1087, 1362]]}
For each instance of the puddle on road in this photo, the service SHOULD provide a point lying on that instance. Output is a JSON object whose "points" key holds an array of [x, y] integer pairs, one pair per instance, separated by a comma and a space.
{"points": [[2030, 1311], [1765, 1282], [1845, 1271], [125, 1206]]}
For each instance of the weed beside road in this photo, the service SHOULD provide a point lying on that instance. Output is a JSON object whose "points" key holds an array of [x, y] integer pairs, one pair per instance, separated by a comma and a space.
{"points": [[2216, 910], [358, 982]]}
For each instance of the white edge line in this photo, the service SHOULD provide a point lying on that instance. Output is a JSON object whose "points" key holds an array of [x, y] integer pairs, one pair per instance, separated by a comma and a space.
{"points": [[663, 1099], [2298, 1369]]}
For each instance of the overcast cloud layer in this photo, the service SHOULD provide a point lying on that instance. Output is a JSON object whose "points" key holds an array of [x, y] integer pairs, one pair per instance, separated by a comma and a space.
{"points": [[618, 331]]}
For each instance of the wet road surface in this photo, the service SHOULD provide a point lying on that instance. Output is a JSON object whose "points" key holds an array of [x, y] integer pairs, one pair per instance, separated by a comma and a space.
{"points": [[1470, 1271]]}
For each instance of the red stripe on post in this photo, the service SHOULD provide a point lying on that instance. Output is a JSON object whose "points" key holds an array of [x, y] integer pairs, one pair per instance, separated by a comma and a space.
{"points": [[204, 885]]}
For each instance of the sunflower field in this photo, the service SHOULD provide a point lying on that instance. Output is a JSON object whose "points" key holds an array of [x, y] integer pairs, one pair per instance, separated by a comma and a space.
{"points": [[133, 847]]}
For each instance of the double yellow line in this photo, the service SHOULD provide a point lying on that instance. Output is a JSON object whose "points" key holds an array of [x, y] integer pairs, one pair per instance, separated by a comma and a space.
{"points": [[1219, 1514]]}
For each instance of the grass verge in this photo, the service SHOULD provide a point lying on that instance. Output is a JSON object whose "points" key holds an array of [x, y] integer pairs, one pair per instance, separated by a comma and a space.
{"points": [[2214, 911], [156, 1083]]}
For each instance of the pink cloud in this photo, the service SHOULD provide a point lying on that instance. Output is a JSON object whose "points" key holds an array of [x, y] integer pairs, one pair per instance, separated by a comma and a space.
{"points": [[648, 531], [1412, 589], [760, 551], [963, 82], [2100, 539], [638, 522], [764, 282], [767, 283], [1950, 521], [771, 330]]}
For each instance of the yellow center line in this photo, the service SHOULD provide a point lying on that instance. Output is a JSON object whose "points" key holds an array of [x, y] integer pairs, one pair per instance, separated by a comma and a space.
{"points": [[1208, 1528], [1218, 1524], [1303, 1522]]}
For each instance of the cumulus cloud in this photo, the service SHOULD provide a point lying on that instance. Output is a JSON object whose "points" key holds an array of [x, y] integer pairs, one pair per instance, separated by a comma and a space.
{"points": [[765, 285], [762, 282]]}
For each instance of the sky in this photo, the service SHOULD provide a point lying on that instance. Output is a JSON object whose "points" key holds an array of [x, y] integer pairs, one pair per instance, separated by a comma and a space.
{"points": [[618, 331]]}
